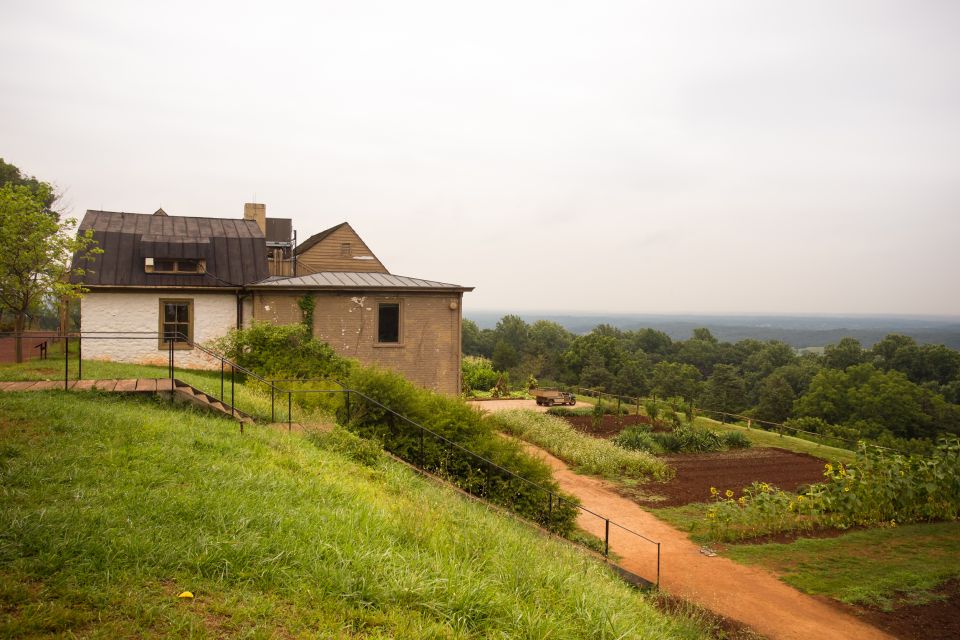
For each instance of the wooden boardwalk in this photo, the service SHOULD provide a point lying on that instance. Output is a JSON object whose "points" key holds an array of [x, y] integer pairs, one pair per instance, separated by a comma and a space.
{"points": [[181, 390], [128, 385]]}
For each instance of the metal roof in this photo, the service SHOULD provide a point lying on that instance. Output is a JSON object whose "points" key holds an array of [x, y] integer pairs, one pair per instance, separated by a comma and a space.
{"points": [[234, 250], [356, 280]]}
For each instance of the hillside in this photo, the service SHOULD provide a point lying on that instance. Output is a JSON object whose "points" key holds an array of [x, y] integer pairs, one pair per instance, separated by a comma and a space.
{"points": [[112, 507]]}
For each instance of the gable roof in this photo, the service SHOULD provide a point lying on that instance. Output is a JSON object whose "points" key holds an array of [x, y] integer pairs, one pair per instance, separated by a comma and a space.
{"points": [[357, 281], [234, 249], [317, 237]]}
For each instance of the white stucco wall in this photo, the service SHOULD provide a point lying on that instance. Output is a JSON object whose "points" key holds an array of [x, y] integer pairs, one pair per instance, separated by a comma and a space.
{"points": [[214, 315]]}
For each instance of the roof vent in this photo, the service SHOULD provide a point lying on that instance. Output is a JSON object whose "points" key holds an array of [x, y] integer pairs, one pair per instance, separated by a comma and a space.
{"points": [[160, 212]]}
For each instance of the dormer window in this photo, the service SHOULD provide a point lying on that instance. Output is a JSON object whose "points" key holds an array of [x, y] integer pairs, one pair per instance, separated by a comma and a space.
{"points": [[345, 251], [175, 265]]}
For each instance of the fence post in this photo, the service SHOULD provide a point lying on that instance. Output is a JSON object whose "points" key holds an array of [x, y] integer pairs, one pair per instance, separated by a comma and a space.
{"points": [[170, 364], [80, 357], [422, 461], [658, 565], [348, 405], [550, 512], [289, 411], [66, 362], [272, 389], [233, 372], [606, 540], [221, 379]]}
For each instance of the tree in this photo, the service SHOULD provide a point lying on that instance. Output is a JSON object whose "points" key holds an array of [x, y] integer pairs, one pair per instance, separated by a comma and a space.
{"points": [[10, 174], [35, 262], [512, 330], [846, 353], [725, 390], [775, 398], [676, 379], [505, 356]]}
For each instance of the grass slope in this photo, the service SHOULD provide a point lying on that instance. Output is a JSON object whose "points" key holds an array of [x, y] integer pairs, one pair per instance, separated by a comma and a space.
{"points": [[111, 506]]}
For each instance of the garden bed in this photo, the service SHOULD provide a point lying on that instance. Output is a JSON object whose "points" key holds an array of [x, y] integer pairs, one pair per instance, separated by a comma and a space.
{"points": [[696, 473], [610, 426]]}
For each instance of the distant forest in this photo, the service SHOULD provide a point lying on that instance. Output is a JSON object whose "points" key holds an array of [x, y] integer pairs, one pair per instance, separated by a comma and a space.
{"points": [[797, 331], [897, 391]]}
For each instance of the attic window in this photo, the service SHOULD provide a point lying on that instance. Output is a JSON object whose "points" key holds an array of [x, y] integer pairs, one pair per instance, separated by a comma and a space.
{"points": [[178, 265], [345, 251]]}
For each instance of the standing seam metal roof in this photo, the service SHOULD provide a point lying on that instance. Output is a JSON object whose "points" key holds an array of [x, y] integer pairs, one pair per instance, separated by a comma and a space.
{"points": [[356, 280]]}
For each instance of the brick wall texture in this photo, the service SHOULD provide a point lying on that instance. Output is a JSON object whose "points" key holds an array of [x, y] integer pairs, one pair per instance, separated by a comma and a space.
{"points": [[429, 350]]}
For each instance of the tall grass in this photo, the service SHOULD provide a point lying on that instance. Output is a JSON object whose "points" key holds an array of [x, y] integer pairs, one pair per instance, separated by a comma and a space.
{"points": [[586, 453], [111, 506]]}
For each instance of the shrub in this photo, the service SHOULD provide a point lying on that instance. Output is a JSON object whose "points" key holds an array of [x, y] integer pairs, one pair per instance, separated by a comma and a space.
{"points": [[460, 425], [736, 440], [282, 351], [638, 438], [478, 373], [586, 453], [567, 412], [687, 438]]}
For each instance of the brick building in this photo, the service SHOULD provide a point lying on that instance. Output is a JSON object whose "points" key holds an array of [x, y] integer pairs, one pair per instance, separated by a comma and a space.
{"points": [[201, 277]]}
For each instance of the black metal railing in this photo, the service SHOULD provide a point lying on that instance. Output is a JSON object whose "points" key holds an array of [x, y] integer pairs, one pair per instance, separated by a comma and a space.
{"points": [[416, 458]]}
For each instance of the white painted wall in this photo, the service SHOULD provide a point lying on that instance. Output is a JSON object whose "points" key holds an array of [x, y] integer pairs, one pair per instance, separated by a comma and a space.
{"points": [[214, 315]]}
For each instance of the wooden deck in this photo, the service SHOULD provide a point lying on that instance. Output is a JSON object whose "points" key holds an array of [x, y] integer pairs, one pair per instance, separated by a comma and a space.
{"points": [[181, 391], [129, 385]]}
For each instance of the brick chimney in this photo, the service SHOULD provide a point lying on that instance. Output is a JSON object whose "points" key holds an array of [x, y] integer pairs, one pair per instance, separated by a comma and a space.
{"points": [[257, 212]]}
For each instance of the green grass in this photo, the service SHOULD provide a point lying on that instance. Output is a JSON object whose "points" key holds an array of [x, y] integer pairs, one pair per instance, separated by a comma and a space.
{"points": [[587, 454], [761, 438], [689, 517], [245, 397], [110, 506], [877, 567]]}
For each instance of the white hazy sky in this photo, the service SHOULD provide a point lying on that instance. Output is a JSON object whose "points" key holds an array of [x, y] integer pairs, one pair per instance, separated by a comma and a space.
{"points": [[579, 156]]}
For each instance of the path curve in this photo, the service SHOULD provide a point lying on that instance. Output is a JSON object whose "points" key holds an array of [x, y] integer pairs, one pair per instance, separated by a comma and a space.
{"points": [[750, 595]]}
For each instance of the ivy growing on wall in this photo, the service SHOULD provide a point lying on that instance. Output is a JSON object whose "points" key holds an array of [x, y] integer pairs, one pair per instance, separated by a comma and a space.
{"points": [[306, 306]]}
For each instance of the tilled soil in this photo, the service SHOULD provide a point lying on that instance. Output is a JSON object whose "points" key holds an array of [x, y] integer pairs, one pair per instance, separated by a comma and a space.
{"points": [[610, 426], [696, 473], [931, 621]]}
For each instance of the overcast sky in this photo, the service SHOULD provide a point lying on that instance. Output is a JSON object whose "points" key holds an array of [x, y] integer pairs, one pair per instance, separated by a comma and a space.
{"points": [[593, 156]]}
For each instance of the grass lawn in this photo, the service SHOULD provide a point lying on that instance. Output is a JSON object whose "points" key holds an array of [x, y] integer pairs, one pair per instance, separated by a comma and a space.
{"points": [[878, 567], [111, 506], [881, 567]]}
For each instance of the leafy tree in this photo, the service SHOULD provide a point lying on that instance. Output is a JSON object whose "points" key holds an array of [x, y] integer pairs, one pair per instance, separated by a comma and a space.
{"points": [[724, 390], [776, 398], [595, 374], [846, 353], [43, 192], [633, 378], [475, 342], [676, 379], [650, 341], [596, 343], [505, 356], [703, 334], [37, 247], [514, 331], [703, 354]]}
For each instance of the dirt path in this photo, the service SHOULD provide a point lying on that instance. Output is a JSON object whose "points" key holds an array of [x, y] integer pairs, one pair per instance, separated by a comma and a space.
{"points": [[746, 594]]}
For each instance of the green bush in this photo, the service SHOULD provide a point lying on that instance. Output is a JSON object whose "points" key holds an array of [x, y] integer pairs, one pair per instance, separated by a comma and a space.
{"points": [[282, 351], [454, 420], [638, 438], [687, 438], [736, 440], [478, 373], [567, 412]]}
